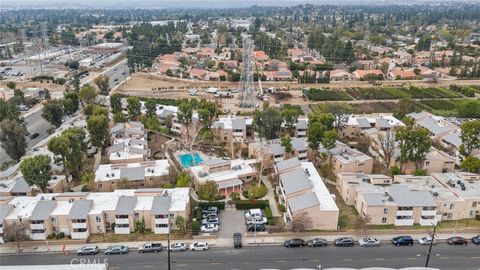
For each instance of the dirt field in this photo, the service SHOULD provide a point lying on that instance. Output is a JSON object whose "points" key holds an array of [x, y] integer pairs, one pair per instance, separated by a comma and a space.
{"points": [[49, 86]]}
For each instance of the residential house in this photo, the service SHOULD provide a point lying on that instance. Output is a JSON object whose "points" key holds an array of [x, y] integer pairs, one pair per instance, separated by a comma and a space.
{"points": [[272, 151], [346, 159], [357, 124], [340, 75], [401, 74], [361, 74]]}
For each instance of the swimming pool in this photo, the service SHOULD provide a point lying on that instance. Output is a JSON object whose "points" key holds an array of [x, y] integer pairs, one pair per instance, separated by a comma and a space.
{"points": [[186, 160]]}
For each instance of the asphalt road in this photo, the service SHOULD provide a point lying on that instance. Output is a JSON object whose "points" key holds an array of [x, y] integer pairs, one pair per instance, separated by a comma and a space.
{"points": [[34, 123], [119, 72], [277, 257]]}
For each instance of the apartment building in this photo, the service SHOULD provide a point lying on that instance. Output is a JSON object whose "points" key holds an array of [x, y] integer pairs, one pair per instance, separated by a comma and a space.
{"points": [[357, 125], [128, 130], [229, 175], [346, 159], [109, 177], [234, 129], [306, 198], [81, 214], [17, 186], [271, 152], [380, 201]]}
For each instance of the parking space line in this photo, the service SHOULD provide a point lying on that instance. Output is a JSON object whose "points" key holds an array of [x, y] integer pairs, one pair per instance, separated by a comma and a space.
{"points": [[379, 259], [474, 257], [215, 263], [182, 265]]}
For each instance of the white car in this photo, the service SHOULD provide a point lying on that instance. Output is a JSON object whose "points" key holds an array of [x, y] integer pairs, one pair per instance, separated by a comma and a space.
{"points": [[209, 228], [198, 246], [425, 241], [257, 220], [178, 247], [255, 212], [369, 242]]}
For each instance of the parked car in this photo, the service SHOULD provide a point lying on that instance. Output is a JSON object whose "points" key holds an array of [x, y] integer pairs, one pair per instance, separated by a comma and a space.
{"points": [[425, 241], [198, 246], [210, 209], [88, 250], [237, 240], [476, 240], [209, 215], [209, 228], [34, 135], [317, 242], [116, 250], [212, 220], [256, 212], [344, 242], [257, 220], [178, 247], [256, 227], [456, 240], [294, 243], [404, 240], [369, 242], [150, 247]]}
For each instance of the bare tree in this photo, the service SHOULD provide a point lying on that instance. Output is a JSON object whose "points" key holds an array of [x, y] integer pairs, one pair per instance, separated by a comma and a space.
{"points": [[362, 222], [301, 222], [16, 231], [387, 145]]}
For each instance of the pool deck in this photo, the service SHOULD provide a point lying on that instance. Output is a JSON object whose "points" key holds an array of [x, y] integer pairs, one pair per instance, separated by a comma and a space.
{"points": [[178, 153]]}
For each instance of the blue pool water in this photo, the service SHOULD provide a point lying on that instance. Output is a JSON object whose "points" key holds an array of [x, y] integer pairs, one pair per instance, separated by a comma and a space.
{"points": [[186, 160]]}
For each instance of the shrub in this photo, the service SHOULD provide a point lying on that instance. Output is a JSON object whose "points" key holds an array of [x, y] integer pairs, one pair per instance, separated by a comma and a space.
{"points": [[220, 205], [281, 208], [395, 170], [196, 226], [250, 204], [420, 172], [268, 212], [235, 196], [255, 192]]}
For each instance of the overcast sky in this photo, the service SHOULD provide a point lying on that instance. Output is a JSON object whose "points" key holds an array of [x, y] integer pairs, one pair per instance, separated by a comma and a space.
{"points": [[191, 3]]}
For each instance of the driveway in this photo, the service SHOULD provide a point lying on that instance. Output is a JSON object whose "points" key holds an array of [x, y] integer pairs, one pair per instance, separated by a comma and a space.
{"points": [[231, 221]]}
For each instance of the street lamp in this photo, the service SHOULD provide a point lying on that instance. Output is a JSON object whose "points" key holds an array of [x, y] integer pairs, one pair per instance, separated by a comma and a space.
{"points": [[431, 244], [456, 223]]}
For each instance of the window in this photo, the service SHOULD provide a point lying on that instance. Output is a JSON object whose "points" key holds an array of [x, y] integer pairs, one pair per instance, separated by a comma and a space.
{"points": [[38, 231], [98, 219], [172, 215], [121, 216], [385, 211], [452, 206], [161, 225], [429, 208], [384, 219], [122, 225], [474, 204], [80, 230], [54, 220], [36, 222], [98, 229], [161, 216], [137, 215], [449, 215], [427, 163]]}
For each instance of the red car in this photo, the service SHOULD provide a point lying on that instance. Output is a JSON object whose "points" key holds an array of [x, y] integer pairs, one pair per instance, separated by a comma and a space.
{"points": [[456, 240]]}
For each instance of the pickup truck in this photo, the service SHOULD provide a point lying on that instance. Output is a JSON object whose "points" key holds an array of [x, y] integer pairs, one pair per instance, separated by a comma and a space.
{"points": [[150, 247]]}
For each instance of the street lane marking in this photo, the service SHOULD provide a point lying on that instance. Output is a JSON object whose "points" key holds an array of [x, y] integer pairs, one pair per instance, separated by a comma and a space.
{"points": [[379, 259], [281, 261], [444, 258], [474, 257], [148, 266], [347, 260], [314, 260], [215, 263], [114, 267], [182, 265], [411, 259]]}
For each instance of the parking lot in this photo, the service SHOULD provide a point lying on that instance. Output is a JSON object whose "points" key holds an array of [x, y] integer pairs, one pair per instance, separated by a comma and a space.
{"points": [[232, 221]]}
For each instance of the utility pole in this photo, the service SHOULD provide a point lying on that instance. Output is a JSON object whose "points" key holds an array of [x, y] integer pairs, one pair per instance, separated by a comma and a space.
{"points": [[431, 245], [168, 250]]}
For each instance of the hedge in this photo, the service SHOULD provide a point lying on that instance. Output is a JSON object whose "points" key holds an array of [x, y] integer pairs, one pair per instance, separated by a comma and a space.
{"points": [[268, 212], [220, 205], [325, 95], [249, 204]]}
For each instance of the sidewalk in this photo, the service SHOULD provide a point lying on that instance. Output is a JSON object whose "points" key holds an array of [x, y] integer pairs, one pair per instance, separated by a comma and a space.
{"points": [[271, 196], [249, 240]]}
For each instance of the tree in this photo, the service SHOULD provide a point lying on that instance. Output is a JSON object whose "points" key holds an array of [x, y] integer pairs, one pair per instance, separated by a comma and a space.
{"points": [[207, 112], [290, 118], [257, 191], [19, 96], [208, 191], [77, 149], [419, 144], [402, 139], [59, 146], [52, 111], [12, 138], [469, 109], [183, 180], [103, 83], [16, 231], [151, 107], [116, 102], [315, 134], [470, 137], [301, 222], [267, 122], [98, 128], [329, 140], [37, 171], [286, 143], [340, 114], [11, 85], [87, 94], [70, 102], [88, 179], [120, 117], [471, 164], [140, 225], [180, 223], [133, 107], [405, 106], [9, 110], [387, 145]]}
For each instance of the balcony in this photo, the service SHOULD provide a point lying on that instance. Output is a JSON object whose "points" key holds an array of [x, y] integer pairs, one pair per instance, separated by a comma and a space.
{"points": [[1, 229], [80, 235], [403, 222], [428, 221], [161, 220], [38, 236], [278, 159], [405, 213], [237, 134], [302, 133], [122, 230], [79, 225], [37, 226], [429, 212], [122, 221]]}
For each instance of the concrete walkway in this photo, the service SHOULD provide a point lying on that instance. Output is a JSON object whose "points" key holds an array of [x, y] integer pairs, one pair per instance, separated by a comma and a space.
{"points": [[271, 196]]}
